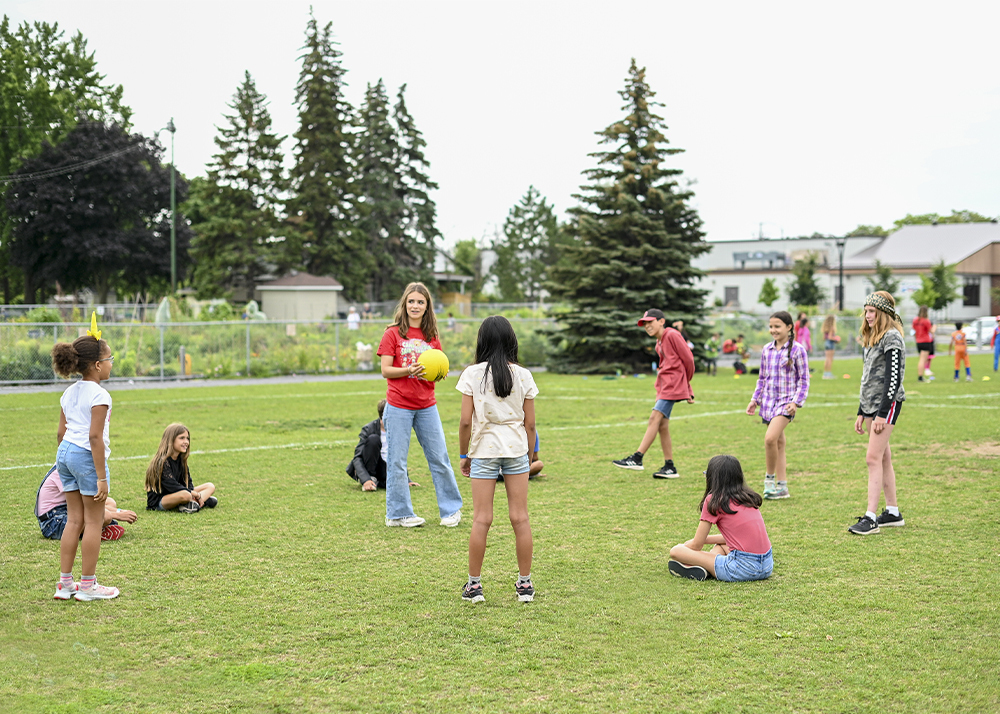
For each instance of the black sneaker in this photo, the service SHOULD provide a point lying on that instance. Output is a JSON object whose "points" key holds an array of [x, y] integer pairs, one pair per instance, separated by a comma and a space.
{"points": [[525, 591], [666, 471], [473, 593], [633, 462], [864, 526], [211, 502], [691, 572], [887, 519]]}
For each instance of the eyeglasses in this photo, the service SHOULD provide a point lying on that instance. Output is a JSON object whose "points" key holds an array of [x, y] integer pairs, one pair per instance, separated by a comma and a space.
{"points": [[110, 359]]}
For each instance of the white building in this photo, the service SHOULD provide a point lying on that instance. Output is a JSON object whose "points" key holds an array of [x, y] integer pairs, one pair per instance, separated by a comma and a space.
{"points": [[736, 270]]}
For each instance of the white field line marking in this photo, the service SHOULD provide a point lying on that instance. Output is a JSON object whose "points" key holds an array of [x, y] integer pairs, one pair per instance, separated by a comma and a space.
{"points": [[304, 445], [138, 403]]}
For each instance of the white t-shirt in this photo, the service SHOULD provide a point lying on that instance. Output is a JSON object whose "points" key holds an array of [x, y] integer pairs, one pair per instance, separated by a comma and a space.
{"points": [[76, 403], [353, 321], [497, 424]]}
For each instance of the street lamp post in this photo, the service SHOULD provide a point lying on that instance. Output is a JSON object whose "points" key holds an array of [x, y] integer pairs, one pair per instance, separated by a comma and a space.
{"points": [[173, 212], [841, 242]]}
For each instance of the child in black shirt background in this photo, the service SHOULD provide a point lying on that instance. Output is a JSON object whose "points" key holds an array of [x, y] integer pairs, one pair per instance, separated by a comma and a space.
{"points": [[168, 479]]}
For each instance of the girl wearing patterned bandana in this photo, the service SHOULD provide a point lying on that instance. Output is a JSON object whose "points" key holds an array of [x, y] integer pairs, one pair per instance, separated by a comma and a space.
{"points": [[882, 398], [782, 389]]}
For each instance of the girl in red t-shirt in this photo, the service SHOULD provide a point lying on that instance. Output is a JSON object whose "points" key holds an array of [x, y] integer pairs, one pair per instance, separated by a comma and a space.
{"points": [[742, 550], [411, 407], [923, 332]]}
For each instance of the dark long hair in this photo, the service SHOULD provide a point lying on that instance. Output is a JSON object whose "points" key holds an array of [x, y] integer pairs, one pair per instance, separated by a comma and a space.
{"points": [[496, 345], [786, 318], [724, 483]]}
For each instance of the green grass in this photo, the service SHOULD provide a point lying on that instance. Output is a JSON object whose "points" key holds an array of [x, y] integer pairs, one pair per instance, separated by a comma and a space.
{"points": [[292, 596]]}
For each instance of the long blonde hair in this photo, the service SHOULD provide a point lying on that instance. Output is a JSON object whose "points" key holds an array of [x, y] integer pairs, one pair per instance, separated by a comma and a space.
{"points": [[829, 326], [428, 324], [154, 472], [871, 336]]}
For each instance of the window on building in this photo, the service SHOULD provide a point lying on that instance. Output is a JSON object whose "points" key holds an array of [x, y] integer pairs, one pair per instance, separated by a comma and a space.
{"points": [[732, 296], [970, 292]]}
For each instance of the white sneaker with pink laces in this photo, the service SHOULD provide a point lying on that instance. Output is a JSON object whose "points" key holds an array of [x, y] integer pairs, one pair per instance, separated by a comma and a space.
{"points": [[65, 592], [98, 592]]}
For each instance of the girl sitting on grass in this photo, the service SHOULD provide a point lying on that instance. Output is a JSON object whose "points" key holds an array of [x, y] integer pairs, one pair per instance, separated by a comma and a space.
{"points": [[742, 550], [496, 427], [168, 479]]}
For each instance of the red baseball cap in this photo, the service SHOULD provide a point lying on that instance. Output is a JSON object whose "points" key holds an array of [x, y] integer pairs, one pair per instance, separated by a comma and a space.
{"points": [[649, 316]]}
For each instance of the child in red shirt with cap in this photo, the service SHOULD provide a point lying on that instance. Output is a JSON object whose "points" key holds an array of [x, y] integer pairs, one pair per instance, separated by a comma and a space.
{"points": [[673, 384]]}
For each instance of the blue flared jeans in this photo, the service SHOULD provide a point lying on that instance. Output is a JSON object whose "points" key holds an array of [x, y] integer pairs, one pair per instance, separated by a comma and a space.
{"points": [[427, 423]]}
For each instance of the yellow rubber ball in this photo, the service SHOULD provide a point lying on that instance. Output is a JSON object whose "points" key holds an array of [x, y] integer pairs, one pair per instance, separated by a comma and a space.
{"points": [[435, 364]]}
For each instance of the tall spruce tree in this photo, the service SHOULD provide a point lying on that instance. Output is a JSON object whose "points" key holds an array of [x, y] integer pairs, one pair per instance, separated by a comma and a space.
{"points": [[633, 238], [416, 250], [524, 250], [322, 200], [240, 202]]}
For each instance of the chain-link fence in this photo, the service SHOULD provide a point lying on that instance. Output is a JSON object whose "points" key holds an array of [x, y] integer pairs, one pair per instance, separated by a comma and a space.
{"points": [[181, 350]]}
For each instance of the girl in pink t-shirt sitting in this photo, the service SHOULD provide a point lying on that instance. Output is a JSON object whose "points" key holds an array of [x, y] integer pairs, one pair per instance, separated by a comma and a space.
{"points": [[741, 551]]}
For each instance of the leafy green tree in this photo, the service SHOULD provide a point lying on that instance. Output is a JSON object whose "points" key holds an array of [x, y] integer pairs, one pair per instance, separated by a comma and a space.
{"points": [[927, 218], [47, 84], [634, 235], [239, 205], [105, 225], [804, 288], [883, 280], [939, 288], [865, 230], [524, 249], [321, 206], [419, 218], [468, 259], [768, 292]]}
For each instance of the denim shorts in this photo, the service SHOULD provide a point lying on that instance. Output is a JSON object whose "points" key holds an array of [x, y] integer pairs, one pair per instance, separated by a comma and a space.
{"points": [[54, 523], [664, 406], [77, 470], [829, 344], [489, 469], [739, 566]]}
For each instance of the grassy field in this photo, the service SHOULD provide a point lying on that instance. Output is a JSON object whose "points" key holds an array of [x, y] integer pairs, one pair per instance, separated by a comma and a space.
{"points": [[292, 596]]}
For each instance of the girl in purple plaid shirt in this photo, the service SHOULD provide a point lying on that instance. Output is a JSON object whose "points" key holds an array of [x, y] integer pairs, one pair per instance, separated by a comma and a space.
{"points": [[782, 388]]}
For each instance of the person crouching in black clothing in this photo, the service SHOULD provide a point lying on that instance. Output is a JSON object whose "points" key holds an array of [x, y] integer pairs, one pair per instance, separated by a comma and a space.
{"points": [[368, 465]]}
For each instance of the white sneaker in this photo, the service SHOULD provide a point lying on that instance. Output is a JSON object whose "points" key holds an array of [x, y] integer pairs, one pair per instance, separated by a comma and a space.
{"points": [[65, 592], [98, 592], [453, 520], [405, 522]]}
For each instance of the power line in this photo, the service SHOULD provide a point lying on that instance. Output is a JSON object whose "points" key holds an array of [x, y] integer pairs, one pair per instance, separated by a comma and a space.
{"points": [[69, 168]]}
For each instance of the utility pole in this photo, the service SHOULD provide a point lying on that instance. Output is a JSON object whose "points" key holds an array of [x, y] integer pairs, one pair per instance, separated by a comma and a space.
{"points": [[841, 242], [173, 211]]}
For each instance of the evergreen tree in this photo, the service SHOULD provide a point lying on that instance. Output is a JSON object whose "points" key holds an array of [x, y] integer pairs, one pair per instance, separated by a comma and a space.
{"points": [[805, 289], [768, 292], [633, 238], [883, 280], [524, 250], [322, 201], [415, 259], [239, 203]]}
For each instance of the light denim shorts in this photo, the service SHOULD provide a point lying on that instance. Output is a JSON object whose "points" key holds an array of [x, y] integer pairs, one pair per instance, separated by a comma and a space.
{"points": [[489, 469], [739, 566], [829, 344], [77, 470], [664, 406]]}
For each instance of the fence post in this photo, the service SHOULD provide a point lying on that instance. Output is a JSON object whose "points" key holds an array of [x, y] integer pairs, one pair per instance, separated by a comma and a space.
{"points": [[336, 346], [161, 353], [248, 348]]}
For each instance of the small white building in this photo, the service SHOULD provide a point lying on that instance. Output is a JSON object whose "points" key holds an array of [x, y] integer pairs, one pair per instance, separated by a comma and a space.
{"points": [[736, 270], [300, 296]]}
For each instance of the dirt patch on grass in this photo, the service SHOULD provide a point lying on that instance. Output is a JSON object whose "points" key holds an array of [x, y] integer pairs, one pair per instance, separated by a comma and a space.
{"points": [[967, 448]]}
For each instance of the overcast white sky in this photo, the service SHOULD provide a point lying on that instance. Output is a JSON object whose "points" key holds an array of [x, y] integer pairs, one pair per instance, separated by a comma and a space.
{"points": [[799, 116]]}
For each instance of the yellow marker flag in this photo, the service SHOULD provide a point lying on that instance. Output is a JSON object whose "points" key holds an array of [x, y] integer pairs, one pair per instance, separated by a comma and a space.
{"points": [[93, 331]]}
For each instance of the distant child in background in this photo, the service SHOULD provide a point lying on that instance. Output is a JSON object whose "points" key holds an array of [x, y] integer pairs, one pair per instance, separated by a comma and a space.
{"points": [[168, 478], [741, 551], [782, 388], [51, 512], [673, 384], [803, 335], [830, 341], [995, 342], [923, 332], [84, 439], [882, 398], [495, 432], [679, 326], [961, 351], [741, 348], [712, 348]]}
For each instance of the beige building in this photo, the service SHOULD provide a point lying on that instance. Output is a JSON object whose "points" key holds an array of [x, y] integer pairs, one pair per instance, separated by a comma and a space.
{"points": [[301, 296]]}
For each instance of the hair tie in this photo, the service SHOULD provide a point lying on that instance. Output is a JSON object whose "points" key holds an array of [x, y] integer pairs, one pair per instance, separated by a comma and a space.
{"points": [[93, 331]]}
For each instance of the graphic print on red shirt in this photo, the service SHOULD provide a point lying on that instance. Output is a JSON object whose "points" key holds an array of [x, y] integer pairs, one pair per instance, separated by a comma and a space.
{"points": [[408, 392]]}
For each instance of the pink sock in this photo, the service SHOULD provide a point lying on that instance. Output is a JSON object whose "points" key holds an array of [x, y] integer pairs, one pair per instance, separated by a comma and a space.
{"points": [[87, 581]]}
